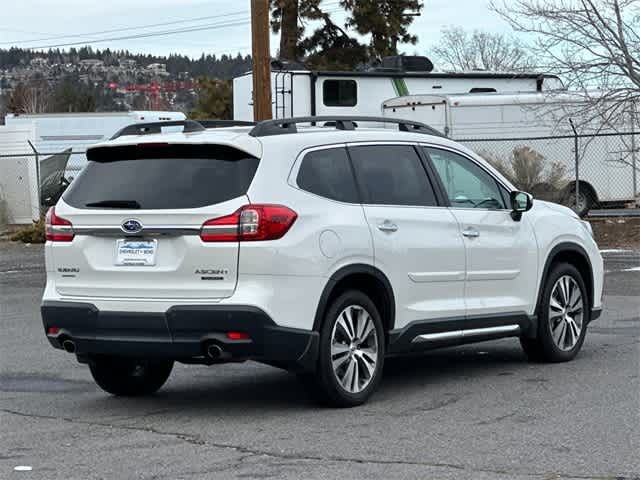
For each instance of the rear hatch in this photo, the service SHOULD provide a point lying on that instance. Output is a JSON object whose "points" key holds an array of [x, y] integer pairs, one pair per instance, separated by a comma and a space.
{"points": [[137, 213]]}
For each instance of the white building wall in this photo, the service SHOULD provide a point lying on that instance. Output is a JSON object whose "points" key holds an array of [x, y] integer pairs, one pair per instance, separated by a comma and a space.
{"points": [[19, 202]]}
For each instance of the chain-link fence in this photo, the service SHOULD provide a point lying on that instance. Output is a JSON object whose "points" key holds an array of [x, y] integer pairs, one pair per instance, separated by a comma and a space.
{"points": [[605, 168], [581, 171], [31, 180]]}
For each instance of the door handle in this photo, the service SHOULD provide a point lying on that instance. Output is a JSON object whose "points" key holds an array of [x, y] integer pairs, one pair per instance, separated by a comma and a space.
{"points": [[388, 226], [471, 232]]}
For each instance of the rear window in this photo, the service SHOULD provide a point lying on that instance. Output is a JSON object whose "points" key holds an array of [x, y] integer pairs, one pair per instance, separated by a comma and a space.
{"points": [[327, 173], [161, 177], [392, 175]]}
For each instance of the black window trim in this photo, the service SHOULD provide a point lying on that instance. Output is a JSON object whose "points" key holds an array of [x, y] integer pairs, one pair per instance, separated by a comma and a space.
{"points": [[297, 165], [357, 97], [441, 200], [423, 147]]}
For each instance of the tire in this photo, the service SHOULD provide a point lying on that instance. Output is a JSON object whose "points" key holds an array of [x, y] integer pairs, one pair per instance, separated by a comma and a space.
{"points": [[351, 318], [561, 329], [129, 377], [586, 200]]}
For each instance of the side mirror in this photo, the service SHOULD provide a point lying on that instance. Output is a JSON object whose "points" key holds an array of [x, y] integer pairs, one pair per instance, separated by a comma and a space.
{"points": [[520, 202]]}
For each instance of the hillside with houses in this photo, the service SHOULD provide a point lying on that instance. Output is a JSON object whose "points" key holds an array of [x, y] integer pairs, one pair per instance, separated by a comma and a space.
{"points": [[104, 80]]}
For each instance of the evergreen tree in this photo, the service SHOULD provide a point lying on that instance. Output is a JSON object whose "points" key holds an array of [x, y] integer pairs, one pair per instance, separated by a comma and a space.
{"points": [[386, 21], [331, 46], [71, 95], [215, 100]]}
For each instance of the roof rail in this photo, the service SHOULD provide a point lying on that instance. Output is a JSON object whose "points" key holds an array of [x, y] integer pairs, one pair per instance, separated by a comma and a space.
{"points": [[226, 123], [289, 125], [189, 126]]}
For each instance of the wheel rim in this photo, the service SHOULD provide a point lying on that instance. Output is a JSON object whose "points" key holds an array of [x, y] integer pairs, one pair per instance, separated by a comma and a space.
{"points": [[566, 313], [583, 202], [354, 349]]}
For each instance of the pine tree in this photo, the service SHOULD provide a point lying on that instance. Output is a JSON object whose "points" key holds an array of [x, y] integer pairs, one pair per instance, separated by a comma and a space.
{"points": [[386, 21], [331, 46], [284, 20]]}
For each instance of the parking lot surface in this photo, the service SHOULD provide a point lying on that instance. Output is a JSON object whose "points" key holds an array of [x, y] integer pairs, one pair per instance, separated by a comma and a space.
{"points": [[480, 411]]}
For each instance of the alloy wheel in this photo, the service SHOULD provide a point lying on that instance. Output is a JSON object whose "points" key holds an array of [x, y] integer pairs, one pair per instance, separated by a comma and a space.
{"points": [[566, 308], [354, 349]]}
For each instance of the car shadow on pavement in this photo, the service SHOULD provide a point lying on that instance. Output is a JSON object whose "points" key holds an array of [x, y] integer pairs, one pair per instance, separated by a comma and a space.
{"points": [[242, 388]]}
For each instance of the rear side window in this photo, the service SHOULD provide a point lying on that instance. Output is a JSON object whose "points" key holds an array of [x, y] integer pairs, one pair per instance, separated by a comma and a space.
{"points": [[327, 173], [161, 177], [392, 175], [340, 93]]}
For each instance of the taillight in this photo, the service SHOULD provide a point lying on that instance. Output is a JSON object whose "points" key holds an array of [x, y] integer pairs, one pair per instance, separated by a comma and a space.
{"points": [[249, 224], [57, 229]]}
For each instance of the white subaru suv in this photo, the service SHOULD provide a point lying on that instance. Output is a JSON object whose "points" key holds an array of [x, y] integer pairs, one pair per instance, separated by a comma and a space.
{"points": [[321, 249]]}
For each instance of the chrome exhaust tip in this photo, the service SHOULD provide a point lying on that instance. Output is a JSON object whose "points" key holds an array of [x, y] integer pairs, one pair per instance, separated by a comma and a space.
{"points": [[214, 351], [69, 346]]}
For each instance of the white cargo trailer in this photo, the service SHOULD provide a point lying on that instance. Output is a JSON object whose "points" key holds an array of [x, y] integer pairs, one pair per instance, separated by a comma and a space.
{"points": [[299, 92], [606, 163]]}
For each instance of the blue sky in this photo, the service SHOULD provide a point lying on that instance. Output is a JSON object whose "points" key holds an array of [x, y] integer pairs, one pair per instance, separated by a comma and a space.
{"points": [[32, 23]]}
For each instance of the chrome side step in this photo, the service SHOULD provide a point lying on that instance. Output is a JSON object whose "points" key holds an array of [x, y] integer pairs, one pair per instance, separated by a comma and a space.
{"points": [[473, 332]]}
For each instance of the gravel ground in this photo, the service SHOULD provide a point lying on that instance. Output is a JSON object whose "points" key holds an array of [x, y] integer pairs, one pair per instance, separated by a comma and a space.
{"points": [[478, 412]]}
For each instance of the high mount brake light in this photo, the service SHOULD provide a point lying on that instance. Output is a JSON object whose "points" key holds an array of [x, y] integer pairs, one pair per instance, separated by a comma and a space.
{"points": [[57, 229], [250, 223]]}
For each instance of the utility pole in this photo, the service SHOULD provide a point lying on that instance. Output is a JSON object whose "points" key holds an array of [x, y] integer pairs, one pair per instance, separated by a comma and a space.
{"points": [[261, 54]]}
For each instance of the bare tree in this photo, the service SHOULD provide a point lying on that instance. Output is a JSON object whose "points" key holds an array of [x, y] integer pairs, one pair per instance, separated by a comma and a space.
{"points": [[593, 45], [459, 50], [32, 97]]}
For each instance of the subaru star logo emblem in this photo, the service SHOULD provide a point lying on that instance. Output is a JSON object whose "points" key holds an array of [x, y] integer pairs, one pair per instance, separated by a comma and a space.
{"points": [[131, 226]]}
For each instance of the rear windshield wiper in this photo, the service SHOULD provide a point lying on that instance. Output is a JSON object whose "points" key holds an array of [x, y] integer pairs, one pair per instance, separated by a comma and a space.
{"points": [[132, 204]]}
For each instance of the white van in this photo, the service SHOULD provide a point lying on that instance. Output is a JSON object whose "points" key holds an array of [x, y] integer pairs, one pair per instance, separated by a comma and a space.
{"points": [[497, 123]]}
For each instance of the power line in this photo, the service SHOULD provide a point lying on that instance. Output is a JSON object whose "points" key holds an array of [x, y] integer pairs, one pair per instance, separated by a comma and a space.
{"points": [[189, 29], [213, 26], [123, 29]]}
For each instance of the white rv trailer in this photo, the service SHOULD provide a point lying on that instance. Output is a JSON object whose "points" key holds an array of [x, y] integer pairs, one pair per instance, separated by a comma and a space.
{"points": [[297, 92], [56, 132], [606, 163]]}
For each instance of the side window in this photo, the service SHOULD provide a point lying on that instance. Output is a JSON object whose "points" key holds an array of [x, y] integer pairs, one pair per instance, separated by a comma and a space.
{"points": [[340, 93], [392, 175], [466, 184], [327, 173]]}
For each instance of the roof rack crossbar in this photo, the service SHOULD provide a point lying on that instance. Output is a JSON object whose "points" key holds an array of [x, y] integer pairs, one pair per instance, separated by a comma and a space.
{"points": [[189, 126], [226, 123], [289, 125]]}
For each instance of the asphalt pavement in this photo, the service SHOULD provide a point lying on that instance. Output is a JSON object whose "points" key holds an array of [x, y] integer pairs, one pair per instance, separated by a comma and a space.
{"points": [[476, 412]]}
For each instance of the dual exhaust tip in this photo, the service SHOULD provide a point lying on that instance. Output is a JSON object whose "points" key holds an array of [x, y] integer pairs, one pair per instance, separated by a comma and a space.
{"points": [[213, 351], [69, 346]]}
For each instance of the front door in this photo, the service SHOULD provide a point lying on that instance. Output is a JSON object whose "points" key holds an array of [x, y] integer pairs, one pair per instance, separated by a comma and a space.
{"points": [[417, 243], [501, 252]]}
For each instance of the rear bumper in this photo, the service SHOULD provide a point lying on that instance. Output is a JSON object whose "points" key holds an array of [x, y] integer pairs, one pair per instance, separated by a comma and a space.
{"points": [[180, 333]]}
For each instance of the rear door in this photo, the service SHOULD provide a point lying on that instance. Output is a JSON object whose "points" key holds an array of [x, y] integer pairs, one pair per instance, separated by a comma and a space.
{"points": [[137, 213], [416, 242]]}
